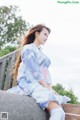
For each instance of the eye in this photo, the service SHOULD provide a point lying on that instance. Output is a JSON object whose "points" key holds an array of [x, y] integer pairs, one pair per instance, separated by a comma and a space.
{"points": [[45, 34]]}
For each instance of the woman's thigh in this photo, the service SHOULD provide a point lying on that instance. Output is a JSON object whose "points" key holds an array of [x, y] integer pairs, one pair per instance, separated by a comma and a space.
{"points": [[52, 105]]}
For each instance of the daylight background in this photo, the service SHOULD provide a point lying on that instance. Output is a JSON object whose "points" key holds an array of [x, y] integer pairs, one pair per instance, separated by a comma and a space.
{"points": [[63, 45]]}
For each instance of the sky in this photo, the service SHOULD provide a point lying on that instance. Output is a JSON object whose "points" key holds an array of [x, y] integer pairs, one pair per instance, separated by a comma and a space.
{"points": [[63, 45]]}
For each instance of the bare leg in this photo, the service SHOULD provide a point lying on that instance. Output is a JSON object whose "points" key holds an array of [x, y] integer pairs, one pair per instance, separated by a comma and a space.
{"points": [[56, 111]]}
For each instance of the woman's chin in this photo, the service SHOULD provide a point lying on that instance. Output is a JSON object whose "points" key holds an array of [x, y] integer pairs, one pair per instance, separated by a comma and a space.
{"points": [[43, 43]]}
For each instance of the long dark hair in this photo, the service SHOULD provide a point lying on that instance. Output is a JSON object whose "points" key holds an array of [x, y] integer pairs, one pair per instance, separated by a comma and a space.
{"points": [[29, 38]]}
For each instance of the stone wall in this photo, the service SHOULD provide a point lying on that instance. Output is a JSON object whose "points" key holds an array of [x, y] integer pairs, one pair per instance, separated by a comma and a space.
{"points": [[25, 108], [21, 107], [72, 111]]}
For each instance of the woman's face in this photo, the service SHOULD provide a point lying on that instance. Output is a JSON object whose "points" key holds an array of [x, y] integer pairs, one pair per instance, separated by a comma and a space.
{"points": [[42, 37]]}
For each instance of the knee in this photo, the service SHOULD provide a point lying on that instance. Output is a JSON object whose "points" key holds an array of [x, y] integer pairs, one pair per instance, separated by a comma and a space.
{"points": [[52, 105], [56, 109]]}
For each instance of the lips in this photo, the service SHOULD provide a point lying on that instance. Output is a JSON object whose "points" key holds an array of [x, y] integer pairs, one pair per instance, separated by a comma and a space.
{"points": [[45, 40]]}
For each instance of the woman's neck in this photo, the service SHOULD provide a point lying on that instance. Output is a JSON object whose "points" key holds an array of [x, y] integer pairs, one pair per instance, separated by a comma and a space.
{"points": [[36, 43]]}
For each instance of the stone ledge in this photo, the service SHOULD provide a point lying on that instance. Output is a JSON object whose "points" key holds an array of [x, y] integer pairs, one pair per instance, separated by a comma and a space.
{"points": [[25, 108], [21, 107], [72, 111]]}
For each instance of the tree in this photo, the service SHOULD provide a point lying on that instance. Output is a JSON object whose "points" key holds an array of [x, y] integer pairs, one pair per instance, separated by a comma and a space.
{"points": [[7, 50], [60, 90], [12, 26]]}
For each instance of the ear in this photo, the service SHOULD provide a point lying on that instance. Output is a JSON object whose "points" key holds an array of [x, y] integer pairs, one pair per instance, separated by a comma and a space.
{"points": [[36, 33]]}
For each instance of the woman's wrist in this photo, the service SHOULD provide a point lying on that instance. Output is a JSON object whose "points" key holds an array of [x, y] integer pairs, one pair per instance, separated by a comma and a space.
{"points": [[43, 83]]}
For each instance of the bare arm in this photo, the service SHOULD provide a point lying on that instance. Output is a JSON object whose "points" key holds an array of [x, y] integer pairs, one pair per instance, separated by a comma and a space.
{"points": [[44, 84]]}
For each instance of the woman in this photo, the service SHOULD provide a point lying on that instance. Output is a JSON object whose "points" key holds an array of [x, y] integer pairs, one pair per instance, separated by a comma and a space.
{"points": [[33, 78]]}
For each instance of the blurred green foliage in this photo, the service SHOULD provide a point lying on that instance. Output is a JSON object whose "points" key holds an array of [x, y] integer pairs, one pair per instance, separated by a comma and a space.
{"points": [[60, 90], [12, 25], [7, 50]]}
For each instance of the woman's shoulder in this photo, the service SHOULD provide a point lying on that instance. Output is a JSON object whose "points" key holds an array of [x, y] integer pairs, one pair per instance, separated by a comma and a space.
{"points": [[30, 48], [27, 47]]}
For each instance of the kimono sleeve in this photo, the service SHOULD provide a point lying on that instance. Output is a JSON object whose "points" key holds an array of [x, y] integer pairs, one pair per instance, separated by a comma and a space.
{"points": [[32, 65]]}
